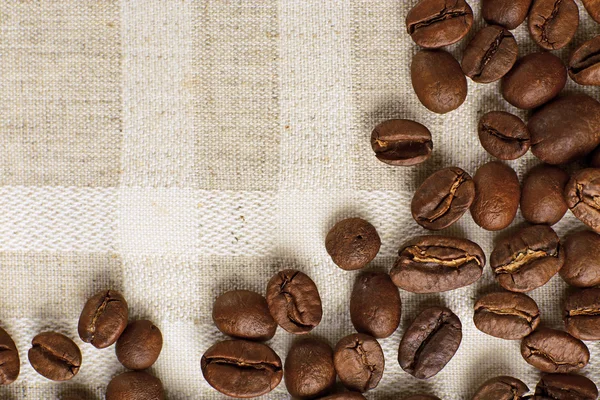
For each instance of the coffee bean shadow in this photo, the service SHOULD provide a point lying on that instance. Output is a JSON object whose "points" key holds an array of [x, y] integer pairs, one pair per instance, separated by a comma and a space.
{"points": [[509, 232], [341, 214], [6, 396], [454, 230], [395, 108], [312, 335], [492, 287], [77, 391], [424, 301], [478, 374]]}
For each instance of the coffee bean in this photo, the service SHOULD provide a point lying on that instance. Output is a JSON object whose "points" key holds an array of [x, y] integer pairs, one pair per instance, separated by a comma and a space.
{"points": [[501, 388], [375, 305], [542, 198], [565, 387], [430, 342], [507, 13], [443, 198], [566, 129], [582, 259], [359, 362], [431, 264], [490, 54], [240, 368], [401, 142], [352, 243], [534, 80], [503, 135], [344, 396], [10, 363], [55, 356], [554, 351], [593, 8], [103, 319], [437, 23], [595, 158], [497, 196], [584, 63], [294, 301], [528, 259], [244, 314], [309, 369], [139, 345], [421, 397], [506, 315], [135, 385], [583, 197], [581, 314], [552, 23], [438, 80]]}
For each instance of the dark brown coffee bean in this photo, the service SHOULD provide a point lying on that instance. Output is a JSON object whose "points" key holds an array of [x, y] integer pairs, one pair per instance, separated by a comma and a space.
{"points": [[497, 196], [431, 264], [240, 368], [554, 351], [542, 197], [309, 369], [430, 342], [352, 243], [593, 8], [584, 63], [506, 315], [135, 385], [503, 135], [421, 397], [103, 319], [437, 23], [244, 314], [344, 396], [501, 388], [581, 314], [566, 129], [443, 198], [490, 55], [401, 142], [294, 301], [54, 356], [528, 259], [359, 362], [582, 259], [583, 197], [507, 13], [139, 345], [438, 80], [534, 80], [595, 158], [565, 387], [10, 363], [375, 305], [553, 23]]}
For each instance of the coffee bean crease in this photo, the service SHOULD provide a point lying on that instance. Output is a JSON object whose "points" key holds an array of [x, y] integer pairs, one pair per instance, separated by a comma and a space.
{"points": [[446, 202], [523, 258], [536, 352], [443, 15], [543, 27], [420, 255], [63, 359]]}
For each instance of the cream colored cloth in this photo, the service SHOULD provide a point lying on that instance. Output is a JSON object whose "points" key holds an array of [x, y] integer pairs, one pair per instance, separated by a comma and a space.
{"points": [[175, 149]]}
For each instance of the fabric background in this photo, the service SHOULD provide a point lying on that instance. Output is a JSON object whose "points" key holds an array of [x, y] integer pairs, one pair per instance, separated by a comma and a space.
{"points": [[174, 150]]}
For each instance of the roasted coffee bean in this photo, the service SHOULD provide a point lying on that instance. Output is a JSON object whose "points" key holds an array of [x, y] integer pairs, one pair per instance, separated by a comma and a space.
{"points": [[595, 158], [507, 13], [375, 305], [583, 197], [506, 315], [135, 385], [430, 342], [438, 80], [497, 196], [294, 301], [240, 368], [421, 397], [553, 23], [528, 259], [501, 388], [359, 362], [344, 396], [593, 8], [554, 351], [352, 243], [503, 135], [582, 314], [103, 319], [401, 142], [534, 80], [54, 356], [443, 198], [10, 363], [566, 129], [309, 369], [584, 63], [582, 259], [431, 264], [490, 55], [139, 345], [436, 23], [565, 387], [244, 314], [542, 197]]}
